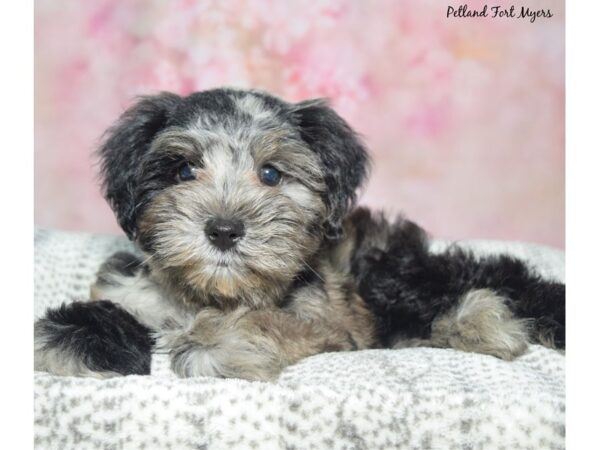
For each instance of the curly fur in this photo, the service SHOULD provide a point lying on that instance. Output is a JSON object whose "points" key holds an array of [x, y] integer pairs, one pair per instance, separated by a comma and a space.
{"points": [[311, 273]]}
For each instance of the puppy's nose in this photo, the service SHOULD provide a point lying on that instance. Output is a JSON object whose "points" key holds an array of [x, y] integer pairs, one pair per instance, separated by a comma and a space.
{"points": [[223, 233]]}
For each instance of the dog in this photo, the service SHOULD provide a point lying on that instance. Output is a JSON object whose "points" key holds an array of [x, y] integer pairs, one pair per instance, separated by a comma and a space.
{"points": [[252, 255]]}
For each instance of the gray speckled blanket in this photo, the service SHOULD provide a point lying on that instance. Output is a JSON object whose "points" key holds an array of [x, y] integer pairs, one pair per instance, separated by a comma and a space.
{"points": [[410, 398]]}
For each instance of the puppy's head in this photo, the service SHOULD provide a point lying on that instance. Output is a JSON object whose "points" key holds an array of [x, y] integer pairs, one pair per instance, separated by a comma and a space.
{"points": [[228, 190]]}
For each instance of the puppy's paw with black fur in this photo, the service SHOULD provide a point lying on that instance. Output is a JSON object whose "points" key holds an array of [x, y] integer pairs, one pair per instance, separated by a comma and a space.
{"points": [[95, 339]]}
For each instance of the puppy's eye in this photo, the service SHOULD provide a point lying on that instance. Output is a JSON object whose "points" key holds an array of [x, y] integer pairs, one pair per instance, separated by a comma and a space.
{"points": [[269, 175], [186, 172]]}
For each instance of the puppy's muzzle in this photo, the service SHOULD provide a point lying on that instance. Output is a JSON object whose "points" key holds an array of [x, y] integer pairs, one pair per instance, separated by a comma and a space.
{"points": [[224, 233]]}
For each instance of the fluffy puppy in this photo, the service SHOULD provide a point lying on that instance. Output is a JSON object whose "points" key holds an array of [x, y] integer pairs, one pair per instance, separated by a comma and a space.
{"points": [[252, 256]]}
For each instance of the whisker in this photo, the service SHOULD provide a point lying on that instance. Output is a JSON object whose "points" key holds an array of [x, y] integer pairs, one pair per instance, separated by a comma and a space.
{"points": [[313, 271]]}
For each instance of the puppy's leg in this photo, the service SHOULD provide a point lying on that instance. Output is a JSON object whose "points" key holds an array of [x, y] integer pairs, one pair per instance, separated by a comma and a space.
{"points": [[249, 344], [480, 322], [103, 338], [420, 297], [96, 339]]}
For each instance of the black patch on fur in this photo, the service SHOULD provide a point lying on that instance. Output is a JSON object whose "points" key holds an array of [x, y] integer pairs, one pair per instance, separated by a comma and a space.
{"points": [[307, 277], [126, 143], [353, 344], [343, 156], [104, 336], [123, 263], [214, 106], [406, 286]]}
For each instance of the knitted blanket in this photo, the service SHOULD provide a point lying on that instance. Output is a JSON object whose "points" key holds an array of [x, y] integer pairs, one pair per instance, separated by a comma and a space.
{"points": [[414, 398]]}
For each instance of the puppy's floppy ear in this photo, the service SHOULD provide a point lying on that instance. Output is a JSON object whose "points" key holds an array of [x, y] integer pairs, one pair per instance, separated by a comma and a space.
{"points": [[124, 144], [343, 157]]}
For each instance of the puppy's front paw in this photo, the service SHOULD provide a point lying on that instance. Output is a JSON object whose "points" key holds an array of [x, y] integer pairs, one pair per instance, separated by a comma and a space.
{"points": [[222, 345], [189, 359]]}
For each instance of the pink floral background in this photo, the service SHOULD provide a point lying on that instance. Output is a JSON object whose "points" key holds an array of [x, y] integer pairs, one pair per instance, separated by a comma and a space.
{"points": [[464, 117]]}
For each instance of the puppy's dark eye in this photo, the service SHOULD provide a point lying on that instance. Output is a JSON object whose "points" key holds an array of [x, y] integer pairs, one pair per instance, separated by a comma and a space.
{"points": [[269, 175], [185, 172]]}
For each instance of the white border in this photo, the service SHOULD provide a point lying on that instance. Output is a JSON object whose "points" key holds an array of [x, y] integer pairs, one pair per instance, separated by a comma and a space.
{"points": [[16, 200], [583, 222]]}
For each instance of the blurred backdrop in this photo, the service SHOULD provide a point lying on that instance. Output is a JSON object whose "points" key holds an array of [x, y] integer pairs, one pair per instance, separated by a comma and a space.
{"points": [[464, 117]]}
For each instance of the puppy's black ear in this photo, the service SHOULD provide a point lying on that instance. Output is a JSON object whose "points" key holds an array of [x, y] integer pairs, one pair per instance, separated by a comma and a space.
{"points": [[343, 157], [124, 144]]}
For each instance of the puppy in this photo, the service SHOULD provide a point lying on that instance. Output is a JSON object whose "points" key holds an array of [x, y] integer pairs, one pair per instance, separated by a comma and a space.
{"points": [[251, 255]]}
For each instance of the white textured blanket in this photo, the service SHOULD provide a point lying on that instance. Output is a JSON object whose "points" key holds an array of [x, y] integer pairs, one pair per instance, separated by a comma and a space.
{"points": [[410, 398]]}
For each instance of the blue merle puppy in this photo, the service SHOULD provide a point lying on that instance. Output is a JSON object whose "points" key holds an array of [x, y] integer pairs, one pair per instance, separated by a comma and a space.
{"points": [[251, 255]]}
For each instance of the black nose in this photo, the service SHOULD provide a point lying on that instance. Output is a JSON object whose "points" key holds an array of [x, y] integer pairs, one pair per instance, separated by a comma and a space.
{"points": [[224, 233]]}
